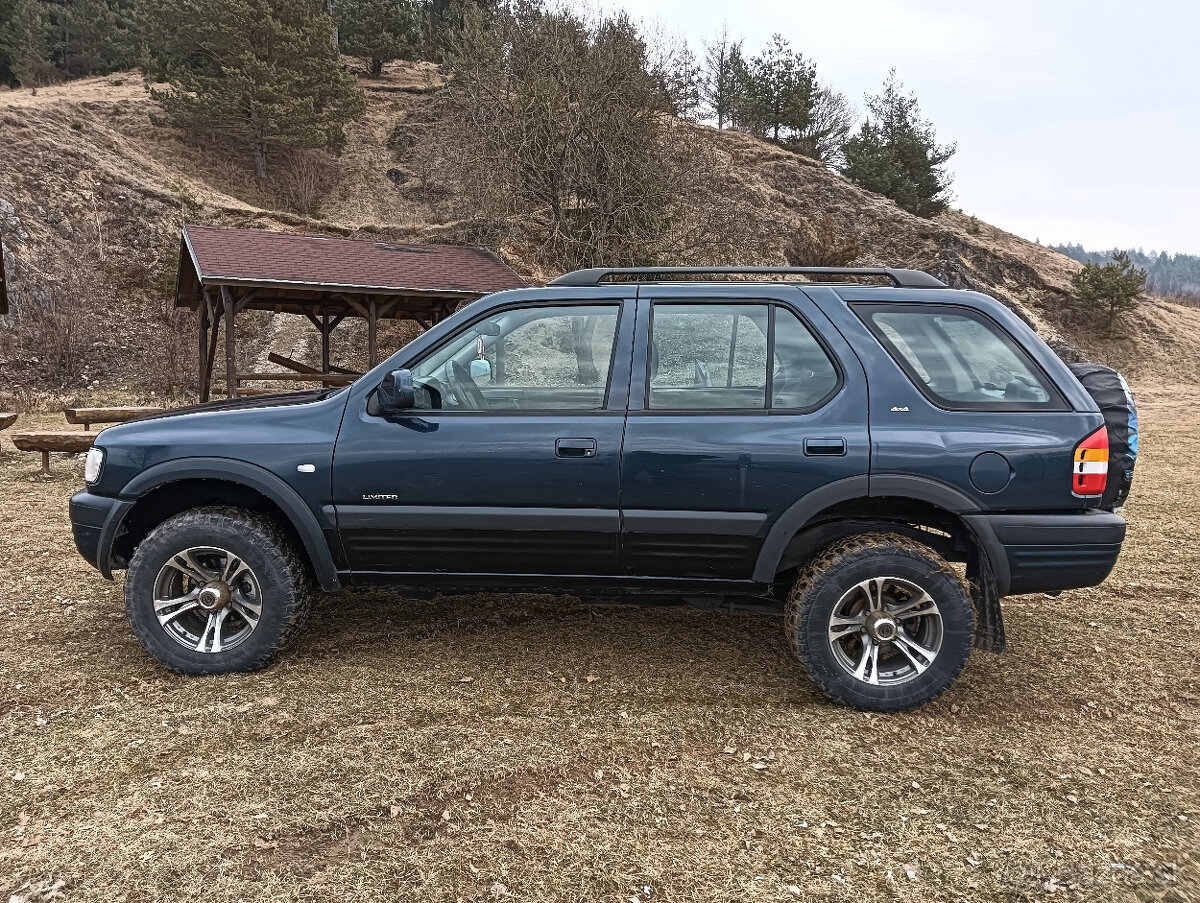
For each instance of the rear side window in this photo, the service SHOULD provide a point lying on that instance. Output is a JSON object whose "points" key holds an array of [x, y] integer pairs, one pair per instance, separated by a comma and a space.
{"points": [[736, 357], [961, 359]]}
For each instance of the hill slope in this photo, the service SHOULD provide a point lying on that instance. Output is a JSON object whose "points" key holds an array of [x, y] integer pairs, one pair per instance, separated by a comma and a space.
{"points": [[92, 195]]}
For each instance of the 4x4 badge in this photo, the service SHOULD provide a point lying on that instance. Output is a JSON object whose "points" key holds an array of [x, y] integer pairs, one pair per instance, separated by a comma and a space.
{"points": [[903, 410]]}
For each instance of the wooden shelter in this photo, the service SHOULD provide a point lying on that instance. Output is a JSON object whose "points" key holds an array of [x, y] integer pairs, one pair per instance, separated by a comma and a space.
{"points": [[223, 272]]}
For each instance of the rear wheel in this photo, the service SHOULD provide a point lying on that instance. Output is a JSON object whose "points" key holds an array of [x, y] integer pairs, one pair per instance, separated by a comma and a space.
{"points": [[880, 622], [215, 590]]}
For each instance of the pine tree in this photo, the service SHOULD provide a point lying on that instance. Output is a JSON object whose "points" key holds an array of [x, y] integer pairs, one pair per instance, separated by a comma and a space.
{"points": [[26, 43], [259, 74], [88, 36], [778, 100], [895, 153], [380, 30], [1109, 290]]}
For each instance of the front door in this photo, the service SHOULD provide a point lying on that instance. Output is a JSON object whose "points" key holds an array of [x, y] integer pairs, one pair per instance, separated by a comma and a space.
{"points": [[737, 410], [510, 462]]}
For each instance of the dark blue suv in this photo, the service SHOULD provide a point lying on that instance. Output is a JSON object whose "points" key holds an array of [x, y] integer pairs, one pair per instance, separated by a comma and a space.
{"points": [[881, 463]]}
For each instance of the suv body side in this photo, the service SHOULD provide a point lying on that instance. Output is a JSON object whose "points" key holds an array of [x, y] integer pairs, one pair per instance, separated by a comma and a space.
{"points": [[681, 498]]}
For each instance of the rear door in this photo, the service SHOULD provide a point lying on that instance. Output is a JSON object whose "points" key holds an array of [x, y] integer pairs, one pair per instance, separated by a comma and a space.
{"points": [[738, 408]]}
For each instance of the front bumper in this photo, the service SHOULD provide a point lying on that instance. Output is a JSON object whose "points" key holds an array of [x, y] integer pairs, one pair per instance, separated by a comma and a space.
{"points": [[1047, 553], [94, 522]]}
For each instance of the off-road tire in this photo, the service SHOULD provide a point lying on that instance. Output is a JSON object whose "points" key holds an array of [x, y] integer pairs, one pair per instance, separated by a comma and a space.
{"points": [[284, 579], [831, 573]]}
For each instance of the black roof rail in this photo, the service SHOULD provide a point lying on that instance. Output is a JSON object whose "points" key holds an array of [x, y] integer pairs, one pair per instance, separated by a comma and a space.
{"points": [[900, 278]]}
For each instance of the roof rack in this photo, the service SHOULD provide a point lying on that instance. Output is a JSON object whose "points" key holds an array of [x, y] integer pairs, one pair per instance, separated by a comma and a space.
{"points": [[900, 278]]}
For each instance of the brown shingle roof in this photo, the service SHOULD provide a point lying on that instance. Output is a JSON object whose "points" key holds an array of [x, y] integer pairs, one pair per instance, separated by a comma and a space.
{"points": [[251, 256]]}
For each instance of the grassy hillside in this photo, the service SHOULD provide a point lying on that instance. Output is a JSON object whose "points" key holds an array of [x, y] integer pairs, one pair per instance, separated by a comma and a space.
{"points": [[92, 196]]}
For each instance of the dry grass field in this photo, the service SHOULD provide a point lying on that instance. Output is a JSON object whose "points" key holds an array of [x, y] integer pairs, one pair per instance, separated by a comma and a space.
{"points": [[530, 748]]}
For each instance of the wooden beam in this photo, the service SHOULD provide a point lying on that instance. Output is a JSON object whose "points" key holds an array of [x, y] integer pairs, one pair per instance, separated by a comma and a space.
{"points": [[245, 299], [385, 307], [336, 378], [88, 416], [352, 302], [292, 364], [211, 358], [230, 342], [7, 420]]}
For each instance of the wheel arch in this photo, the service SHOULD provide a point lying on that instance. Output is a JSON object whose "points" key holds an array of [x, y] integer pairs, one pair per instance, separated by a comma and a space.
{"points": [[174, 486], [923, 509]]}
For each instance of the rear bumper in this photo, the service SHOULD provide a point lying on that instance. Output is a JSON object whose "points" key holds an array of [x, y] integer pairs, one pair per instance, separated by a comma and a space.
{"points": [[94, 522], [1046, 553]]}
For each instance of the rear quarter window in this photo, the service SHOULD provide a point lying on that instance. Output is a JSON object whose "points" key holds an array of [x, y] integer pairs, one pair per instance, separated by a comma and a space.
{"points": [[960, 358]]}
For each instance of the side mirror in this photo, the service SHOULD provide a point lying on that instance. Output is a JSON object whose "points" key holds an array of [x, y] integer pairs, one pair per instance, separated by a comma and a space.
{"points": [[396, 392]]}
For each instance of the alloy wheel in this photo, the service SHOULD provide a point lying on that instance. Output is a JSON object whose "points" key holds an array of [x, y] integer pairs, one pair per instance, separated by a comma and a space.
{"points": [[886, 631]]}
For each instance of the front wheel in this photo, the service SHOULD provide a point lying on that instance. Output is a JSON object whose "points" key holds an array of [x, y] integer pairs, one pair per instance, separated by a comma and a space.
{"points": [[215, 590], [880, 622]]}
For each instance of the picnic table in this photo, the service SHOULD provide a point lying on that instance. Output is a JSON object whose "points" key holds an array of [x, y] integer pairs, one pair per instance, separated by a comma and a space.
{"points": [[77, 441]]}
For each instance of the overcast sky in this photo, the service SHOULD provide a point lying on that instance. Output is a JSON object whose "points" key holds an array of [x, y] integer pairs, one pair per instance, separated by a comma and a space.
{"points": [[1076, 120]]}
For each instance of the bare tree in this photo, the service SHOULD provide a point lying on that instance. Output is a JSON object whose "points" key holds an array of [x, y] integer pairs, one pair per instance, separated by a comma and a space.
{"points": [[556, 136], [829, 126], [722, 78]]}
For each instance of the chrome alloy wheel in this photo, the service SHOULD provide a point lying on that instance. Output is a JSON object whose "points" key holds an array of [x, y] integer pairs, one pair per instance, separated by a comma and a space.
{"points": [[207, 599], [886, 631]]}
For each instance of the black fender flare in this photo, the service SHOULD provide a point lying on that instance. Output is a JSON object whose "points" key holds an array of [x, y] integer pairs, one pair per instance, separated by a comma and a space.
{"points": [[907, 486], [800, 513], [229, 470]]}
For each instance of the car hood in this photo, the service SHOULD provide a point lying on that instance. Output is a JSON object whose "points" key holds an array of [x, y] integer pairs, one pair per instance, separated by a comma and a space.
{"points": [[277, 400]]}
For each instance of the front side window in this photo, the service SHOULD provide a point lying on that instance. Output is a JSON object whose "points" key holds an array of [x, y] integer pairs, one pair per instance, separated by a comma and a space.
{"points": [[735, 357], [960, 358], [539, 358]]}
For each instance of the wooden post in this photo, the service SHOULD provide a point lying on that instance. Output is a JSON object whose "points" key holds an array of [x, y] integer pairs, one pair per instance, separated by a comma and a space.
{"points": [[230, 342], [202, 358], [45, 461], [371, 324], [325, 343]]}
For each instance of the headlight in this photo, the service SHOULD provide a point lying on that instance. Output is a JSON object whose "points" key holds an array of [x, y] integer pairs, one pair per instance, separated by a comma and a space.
{"points": [[93, 465]]}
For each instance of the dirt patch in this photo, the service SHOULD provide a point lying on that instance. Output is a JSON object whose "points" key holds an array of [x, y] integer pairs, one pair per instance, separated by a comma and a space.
{"points": [[532, 748]]}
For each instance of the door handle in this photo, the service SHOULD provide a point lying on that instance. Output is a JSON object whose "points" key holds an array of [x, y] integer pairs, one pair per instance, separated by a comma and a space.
{"points": [[575, 448], [834, 447]]}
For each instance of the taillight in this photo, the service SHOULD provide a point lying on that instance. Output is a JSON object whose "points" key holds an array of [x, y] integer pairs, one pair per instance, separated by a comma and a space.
{"points": [[1089, 476]]}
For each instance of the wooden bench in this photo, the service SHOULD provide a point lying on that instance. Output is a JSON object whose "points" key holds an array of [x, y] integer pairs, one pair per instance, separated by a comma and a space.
{"points": [[46, 442], [7, 420], [88, 416]]}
